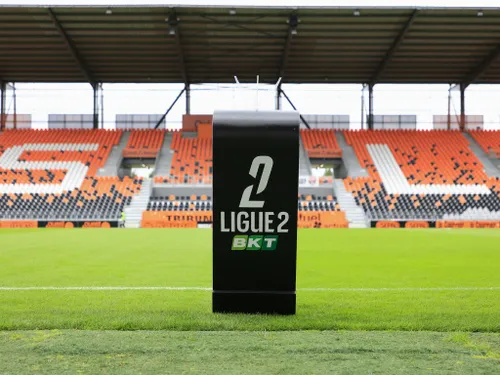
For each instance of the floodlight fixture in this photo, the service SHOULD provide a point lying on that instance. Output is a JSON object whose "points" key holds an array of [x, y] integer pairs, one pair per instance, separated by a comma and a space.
{"points": [[172, 21], [293, 22]]}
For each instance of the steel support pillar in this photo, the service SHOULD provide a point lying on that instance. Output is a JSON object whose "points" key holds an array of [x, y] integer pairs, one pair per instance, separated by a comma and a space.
{"points": [[462, 106], [101, 105], [363, 118], [295, 109], [188, 99], [70, 46], [370, 107], [278, 99], [448, 120], [95, 91], [3, 104], [14, 104], [170, 108], [394, 48]]}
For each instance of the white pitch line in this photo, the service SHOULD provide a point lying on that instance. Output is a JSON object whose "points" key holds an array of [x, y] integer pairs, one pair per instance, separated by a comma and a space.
{"points": [[99, 288], [438, 289], [199, 288]]}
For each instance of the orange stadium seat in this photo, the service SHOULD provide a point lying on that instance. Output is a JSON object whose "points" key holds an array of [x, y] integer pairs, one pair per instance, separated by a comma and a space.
{"points": [[192, 161], [438, 157], [51, 175], [489, 140], [320, 143], [144, 144], [317, 203], [421, 175], [192, 164]]}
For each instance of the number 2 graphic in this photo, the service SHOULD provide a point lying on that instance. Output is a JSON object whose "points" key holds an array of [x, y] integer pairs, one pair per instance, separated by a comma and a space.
{"points": [[268, 163]]}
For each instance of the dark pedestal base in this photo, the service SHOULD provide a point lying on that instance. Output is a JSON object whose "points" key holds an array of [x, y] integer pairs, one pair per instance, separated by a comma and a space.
{"points": [[282, 303]]}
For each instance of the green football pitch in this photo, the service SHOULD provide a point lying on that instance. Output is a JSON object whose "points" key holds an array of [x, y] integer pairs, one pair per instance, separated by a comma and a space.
{"points": [[65, 294]]}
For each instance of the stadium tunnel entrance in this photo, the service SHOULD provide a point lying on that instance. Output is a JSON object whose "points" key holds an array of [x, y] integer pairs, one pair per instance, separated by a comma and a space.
{"points": [[137, 167], [329, 168]]}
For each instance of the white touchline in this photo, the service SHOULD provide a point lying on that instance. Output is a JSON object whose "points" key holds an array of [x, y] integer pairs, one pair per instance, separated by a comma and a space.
{"points": [[199, 288], [98, 288], [438, 289]]}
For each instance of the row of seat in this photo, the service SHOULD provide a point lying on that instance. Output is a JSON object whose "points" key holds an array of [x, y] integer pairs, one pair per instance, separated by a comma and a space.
{"points": [[420, 175], [192, 197], [90, 147], [314, 202], [320, 143], [437, 157], [314, 197], [144, 143], [412, 174], [37, 176], [488, 140], [51, 175], [203, 203], [157, 205], [96, 199], [191, 162]]}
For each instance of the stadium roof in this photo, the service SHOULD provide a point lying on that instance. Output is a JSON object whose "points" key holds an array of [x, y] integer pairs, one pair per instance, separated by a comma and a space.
{"points": [[212, 45]]}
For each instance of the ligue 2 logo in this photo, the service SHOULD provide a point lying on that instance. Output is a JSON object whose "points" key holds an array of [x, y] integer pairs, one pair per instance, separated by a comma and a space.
{"points": [[268, 163]]}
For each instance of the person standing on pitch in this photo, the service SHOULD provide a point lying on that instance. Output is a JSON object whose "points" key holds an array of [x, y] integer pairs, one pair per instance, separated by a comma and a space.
{"points": [[122, 220]]}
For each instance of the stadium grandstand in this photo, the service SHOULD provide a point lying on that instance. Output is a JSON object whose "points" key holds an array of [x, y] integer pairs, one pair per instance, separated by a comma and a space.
{"points": [[76, 173]]}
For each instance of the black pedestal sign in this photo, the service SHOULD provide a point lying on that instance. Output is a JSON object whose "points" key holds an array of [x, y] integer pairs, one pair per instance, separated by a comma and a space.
{"points": [[255, 188]]}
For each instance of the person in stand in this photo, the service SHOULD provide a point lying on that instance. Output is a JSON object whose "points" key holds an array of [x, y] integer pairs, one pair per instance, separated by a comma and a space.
{"points": [[122, 220]]}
